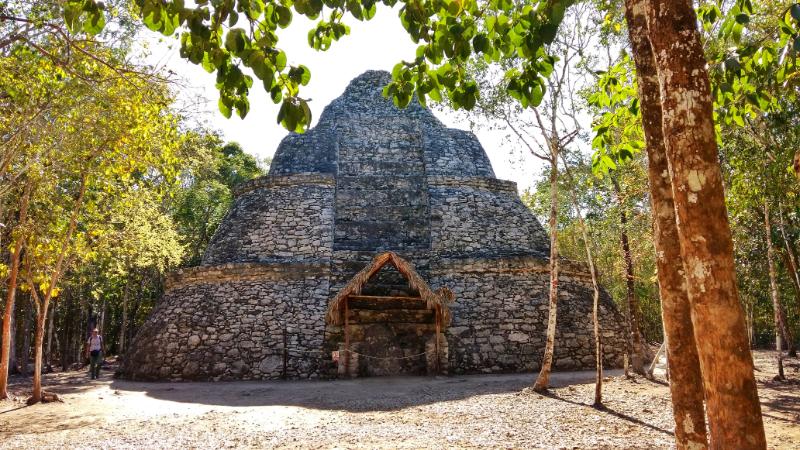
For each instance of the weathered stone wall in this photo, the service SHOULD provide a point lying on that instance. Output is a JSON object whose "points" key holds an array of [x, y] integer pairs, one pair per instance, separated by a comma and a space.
{"points": [[480, 216], [500, 316], [277, 218], [230, 322]]}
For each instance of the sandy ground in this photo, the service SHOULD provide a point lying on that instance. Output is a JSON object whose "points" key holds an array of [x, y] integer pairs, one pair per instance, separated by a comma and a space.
{"points": [[478, 411]]}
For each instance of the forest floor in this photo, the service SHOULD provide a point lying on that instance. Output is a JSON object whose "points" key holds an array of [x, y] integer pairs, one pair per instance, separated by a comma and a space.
{"points": [[475, 411]]}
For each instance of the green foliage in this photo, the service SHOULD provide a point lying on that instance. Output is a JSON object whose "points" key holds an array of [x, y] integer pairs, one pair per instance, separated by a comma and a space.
{"points": [[229, 36], [618, 131], [601, 209], [211, 173]]}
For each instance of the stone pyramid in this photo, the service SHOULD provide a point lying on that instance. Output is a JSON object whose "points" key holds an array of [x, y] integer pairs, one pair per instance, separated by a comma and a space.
{"points": [[370, 178]]}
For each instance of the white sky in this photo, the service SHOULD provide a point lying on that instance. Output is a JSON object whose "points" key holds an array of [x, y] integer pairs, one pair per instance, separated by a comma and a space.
{"points": [[376, 44]]}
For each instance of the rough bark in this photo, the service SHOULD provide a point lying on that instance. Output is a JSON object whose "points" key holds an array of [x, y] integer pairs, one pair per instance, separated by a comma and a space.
{"points": [[780, 323], [686, 382], [8, 313], [734, 412], [542, 381], [637, 344]]}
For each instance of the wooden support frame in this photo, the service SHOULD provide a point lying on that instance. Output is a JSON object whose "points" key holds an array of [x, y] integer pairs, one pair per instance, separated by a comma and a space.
{"points": [[347, 336], [438, 321]]}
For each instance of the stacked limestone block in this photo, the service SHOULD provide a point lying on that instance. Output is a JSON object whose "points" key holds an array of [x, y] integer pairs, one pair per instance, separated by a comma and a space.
{"points": [[369, 178]]}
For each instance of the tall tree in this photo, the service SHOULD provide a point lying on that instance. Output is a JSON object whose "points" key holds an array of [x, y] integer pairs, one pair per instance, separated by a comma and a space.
{"points": [[639, 351], [734, 412], [11, 292], [780, 325], [686, 380]]}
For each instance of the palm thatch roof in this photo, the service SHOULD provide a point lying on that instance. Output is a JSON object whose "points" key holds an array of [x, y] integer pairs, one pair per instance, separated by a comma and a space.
{"points": [[442, 297]]}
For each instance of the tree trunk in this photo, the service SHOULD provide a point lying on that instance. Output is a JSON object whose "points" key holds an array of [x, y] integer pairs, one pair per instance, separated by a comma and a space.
{"points": [[780, 324], [638, 347], [543, 380], [103, 308], [734, 412], [598, 384], [686, 384], [791, 267], [12, 355], [41, 314], [48, 366], [24, 358], [43, 302], [123, 330], [8, 313]]}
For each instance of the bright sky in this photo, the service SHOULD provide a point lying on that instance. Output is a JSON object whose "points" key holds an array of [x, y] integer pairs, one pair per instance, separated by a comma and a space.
{"points": [[376, 44]]}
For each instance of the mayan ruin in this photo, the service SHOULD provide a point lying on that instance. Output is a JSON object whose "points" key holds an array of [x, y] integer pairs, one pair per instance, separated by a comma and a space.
{"points": [[370, 190]]}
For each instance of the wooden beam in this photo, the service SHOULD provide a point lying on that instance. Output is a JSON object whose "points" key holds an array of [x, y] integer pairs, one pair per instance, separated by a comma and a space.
{"points": [[381, 303], [383, 297], [362, 316]]}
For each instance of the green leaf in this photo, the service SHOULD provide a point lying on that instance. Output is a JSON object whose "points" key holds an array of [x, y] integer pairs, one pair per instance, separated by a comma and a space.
{"points": [[235, 40], [72, 17], [795, 11], [224, 109], [96, 22], [480, 43], [280, 61], [547, 33], [284, 16]]}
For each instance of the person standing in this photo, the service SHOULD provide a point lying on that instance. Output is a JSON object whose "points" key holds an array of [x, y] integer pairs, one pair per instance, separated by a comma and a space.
{"points": [[95, 350]]}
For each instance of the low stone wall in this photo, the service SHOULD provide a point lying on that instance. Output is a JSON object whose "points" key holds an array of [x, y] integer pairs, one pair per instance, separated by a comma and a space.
{"points": [[500, 316], [229, 322], [232, 324]]}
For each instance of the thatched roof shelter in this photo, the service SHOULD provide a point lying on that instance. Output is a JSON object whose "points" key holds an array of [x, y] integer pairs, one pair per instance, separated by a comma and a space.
{"points": [[436, 300]]}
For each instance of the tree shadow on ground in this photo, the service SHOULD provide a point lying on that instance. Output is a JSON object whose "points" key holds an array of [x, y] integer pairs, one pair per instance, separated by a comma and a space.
{"points": [[356, 395], [606, 409]]}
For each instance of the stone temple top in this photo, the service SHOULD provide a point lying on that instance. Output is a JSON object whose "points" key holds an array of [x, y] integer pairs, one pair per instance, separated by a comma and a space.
{"points": [[363, 107], [403, 182]]}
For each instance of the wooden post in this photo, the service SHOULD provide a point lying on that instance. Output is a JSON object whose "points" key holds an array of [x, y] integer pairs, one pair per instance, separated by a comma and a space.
{"points": [[347, 336], [438, 330], [285, 353]]}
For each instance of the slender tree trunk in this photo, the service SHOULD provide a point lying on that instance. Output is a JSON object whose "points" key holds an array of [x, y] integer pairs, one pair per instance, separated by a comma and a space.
{"points": [[791, 267], [12, 355], [48, 366], [734, 412], [43, 302], [638, 346], [8, 313], [25, 357], [66, 330], [41, 313], [123, 330], [543, 380], [103, 308], [686, 383], [780, 325], [598, 384]]}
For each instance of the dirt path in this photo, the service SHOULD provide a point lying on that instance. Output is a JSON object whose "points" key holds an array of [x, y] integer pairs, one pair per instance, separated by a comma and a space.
{"points": [[480, 411]]}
